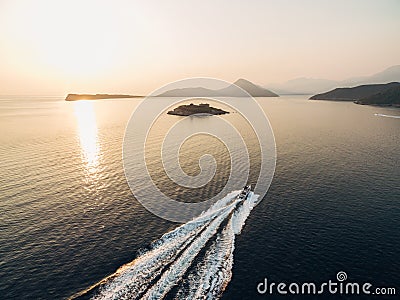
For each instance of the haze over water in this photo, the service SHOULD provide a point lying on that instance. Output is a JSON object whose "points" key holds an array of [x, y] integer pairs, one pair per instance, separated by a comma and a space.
{"points": [[133, 47], [69, 218]]}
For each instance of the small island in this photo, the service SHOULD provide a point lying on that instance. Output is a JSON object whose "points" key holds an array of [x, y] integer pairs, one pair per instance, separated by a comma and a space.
{"points": [[192, 109], [76, 97]]}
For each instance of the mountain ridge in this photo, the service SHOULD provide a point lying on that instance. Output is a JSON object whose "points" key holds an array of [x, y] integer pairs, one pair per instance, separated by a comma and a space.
{"points": [[232, 90], [362, 94], [304, 85]]}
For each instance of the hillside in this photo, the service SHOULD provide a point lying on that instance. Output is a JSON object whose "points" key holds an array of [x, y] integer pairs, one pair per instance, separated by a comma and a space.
{"points": [[230, 91], [355, 93], [390, 97], [318, 85], [251, 88]]}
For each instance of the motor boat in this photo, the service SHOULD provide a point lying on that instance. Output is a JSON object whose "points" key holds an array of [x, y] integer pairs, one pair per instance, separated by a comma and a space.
{"points": [[245, 193]]}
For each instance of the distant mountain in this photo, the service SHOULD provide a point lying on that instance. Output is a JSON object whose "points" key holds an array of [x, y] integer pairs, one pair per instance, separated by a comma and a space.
{"points": [[253, 89], [304, 86], [356, 93], [314, 86], [391, 74], [190, 92], [389, 97], [230, 91]]}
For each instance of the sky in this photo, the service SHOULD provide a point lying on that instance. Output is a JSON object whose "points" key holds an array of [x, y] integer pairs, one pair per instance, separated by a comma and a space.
{"points": [[55, 47]]}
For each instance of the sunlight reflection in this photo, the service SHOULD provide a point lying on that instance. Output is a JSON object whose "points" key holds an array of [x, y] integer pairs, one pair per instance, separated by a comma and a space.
{"points": [[87, 133]]}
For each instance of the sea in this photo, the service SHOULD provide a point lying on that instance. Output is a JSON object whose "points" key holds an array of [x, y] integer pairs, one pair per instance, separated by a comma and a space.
{"points": [[72, 228]]}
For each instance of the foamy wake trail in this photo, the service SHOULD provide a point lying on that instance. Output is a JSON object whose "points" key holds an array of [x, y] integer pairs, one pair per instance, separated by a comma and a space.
{"points": [[193, 261], [388, 116], [212, 274]]}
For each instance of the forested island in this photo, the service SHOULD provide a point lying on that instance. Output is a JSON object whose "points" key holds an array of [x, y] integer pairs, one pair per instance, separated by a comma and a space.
{"points": [[192, 109], [390, 97]]}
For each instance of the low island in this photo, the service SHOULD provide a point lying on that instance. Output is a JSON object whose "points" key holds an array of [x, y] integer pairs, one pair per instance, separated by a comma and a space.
{"points": [[76, 97], [193, 109]]}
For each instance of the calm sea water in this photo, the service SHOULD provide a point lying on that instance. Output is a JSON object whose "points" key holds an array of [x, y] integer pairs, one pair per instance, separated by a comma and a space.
{"points": [[68, 218]]}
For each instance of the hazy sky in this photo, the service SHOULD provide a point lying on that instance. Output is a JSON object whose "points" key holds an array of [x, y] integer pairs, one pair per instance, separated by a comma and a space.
{"points": [[61, 46]]}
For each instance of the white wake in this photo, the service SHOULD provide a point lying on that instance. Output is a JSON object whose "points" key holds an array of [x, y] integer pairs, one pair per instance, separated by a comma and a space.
{"points": [[193, 261], [388, 116]]}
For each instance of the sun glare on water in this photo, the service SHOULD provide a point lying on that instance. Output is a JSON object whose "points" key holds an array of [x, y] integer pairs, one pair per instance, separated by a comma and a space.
{"points": [[88, 135]]}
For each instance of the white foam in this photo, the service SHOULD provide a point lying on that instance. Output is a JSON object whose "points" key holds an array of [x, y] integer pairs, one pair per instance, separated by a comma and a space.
{"points": [[148, 277], [387, 116]]}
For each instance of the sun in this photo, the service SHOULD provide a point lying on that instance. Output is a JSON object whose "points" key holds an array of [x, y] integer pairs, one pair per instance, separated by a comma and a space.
{"points": [[75, 38]]}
